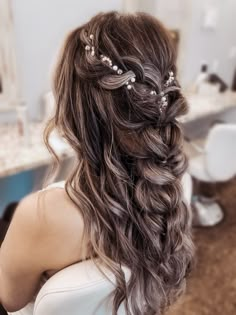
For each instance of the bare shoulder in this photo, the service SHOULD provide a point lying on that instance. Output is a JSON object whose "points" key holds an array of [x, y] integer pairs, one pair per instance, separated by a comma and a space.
{"points": [[45, 235], [56, 223], [56, 206], [49, 207]]}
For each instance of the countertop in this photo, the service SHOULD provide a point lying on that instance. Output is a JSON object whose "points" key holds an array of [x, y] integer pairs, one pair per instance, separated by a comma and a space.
{"points": [[201, 106], [16, 157]]}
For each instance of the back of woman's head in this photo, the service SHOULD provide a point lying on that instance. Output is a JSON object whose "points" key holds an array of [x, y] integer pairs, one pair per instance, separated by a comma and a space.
{"points": [[117, 100]]}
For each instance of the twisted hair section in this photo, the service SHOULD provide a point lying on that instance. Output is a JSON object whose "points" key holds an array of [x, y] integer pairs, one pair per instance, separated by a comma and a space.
{"points": [[130, 160]]}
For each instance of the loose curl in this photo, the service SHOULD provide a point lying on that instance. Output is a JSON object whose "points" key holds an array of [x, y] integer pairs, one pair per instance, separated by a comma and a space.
{"points": [[127, 181]]}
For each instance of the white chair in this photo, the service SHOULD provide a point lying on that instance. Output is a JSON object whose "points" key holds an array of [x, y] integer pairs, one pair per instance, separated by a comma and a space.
{"points": [[216, 162]]}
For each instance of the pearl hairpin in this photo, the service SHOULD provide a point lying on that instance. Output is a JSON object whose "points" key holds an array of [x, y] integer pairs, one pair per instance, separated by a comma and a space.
{"points": [[132, 80], [105, 59], [108, 61], [170, 79], [163, 101], [91, 48]]}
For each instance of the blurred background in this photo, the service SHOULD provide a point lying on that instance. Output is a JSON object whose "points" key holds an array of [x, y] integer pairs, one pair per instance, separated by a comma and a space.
{"points": [[203, 33]]}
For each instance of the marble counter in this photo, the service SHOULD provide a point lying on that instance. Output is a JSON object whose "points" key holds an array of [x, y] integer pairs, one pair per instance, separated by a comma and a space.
{"points": [[16, 157]]}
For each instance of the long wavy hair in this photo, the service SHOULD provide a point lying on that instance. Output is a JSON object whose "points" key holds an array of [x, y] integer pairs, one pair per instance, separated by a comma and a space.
{"points": [[129, 158]]}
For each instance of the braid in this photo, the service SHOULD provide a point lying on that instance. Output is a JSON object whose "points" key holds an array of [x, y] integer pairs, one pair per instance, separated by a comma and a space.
{"points": [[127, 183]]}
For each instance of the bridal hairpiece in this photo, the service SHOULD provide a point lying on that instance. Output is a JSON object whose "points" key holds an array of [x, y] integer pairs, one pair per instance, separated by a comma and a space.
{"points": [[106, 60]]}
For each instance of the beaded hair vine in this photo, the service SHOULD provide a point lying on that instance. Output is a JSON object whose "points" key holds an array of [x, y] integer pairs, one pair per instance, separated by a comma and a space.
{"points": [[163, 103]]}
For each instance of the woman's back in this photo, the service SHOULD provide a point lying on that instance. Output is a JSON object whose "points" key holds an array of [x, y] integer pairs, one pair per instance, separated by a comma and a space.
{"points": [[62, 218], [80, 276], [53, 229], [117, 104]]}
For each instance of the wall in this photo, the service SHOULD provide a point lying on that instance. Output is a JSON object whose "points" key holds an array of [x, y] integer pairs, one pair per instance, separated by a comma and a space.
{"points": [[177, 15], [132, 6], [40, 27], [197, 44], [212, 45]]}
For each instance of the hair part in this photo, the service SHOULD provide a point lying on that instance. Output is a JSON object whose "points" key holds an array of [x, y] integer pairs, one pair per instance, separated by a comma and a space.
{"points": [[130, 160]]}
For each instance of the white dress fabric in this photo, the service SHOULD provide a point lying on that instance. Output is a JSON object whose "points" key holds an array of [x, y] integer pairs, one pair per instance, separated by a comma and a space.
{"points": [[27, 310]]}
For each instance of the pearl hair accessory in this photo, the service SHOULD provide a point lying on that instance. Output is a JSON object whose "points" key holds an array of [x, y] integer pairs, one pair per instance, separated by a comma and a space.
{"points": [[103, 58], [164, 102], [106, 60], [170, 79], [129, 83], [91, 48], [119, 71]]}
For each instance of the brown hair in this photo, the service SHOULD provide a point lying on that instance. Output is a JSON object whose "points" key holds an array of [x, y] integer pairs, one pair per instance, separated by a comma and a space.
{"points": [[127, 181]]}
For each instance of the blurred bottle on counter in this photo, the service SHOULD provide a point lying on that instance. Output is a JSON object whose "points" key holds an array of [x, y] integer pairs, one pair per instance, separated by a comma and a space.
{"points": [[201, 79], [208, 84], [23, 124]]}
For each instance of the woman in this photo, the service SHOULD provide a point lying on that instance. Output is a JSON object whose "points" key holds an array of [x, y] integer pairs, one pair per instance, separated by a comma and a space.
{"points": [[117, 101]]}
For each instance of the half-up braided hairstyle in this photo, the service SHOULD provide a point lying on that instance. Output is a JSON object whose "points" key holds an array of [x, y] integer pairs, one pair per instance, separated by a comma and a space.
{"points": [[127, 181]]}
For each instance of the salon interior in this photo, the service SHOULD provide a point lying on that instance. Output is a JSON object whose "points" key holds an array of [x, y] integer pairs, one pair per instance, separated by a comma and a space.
{"points": [[203, 33]]}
